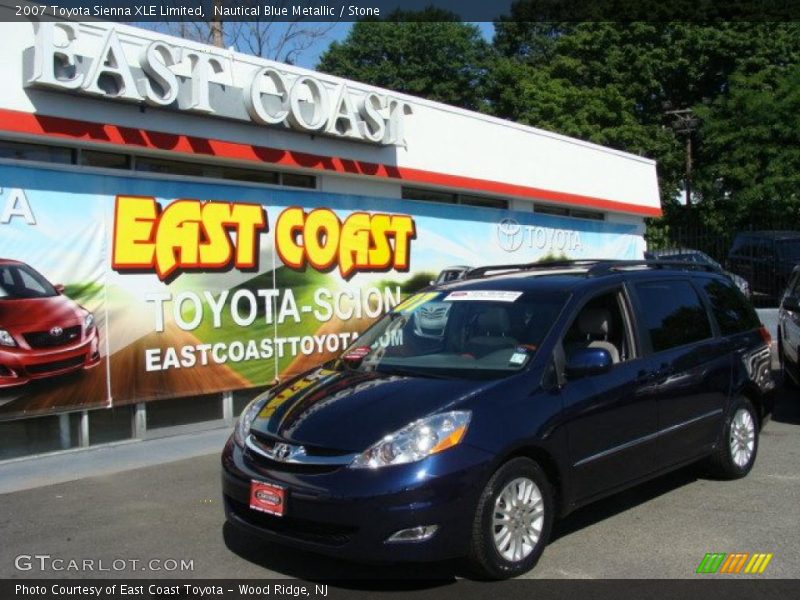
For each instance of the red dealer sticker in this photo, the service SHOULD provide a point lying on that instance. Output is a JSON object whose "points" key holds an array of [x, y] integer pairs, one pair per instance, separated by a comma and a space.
{"points": [[267, 498], [357, 354]]}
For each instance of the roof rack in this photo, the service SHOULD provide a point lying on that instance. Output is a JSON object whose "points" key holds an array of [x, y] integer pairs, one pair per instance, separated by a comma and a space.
{"points": [[620, 265], [595, 266], [534, 266]]}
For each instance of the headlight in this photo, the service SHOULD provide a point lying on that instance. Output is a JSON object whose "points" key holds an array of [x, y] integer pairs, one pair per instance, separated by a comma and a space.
{"points": [[416, 441], [6, 339], [242, 428], [88, 321]]}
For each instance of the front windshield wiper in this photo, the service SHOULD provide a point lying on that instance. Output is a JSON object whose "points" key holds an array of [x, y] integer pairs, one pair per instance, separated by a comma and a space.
{"points": [[406, 372]]}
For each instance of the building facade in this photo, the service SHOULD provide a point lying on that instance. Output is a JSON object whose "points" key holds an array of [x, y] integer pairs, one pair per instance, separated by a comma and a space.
{"points": [[181, 226]]}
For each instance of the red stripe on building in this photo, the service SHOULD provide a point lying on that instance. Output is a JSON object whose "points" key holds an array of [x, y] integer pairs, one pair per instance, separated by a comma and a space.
{"points": [[118, 135]]}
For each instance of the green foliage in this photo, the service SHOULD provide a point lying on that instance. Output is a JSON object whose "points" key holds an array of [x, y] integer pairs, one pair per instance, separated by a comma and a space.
{"points": [[552, 257], [427, 53], [614, 84], [417, 282]]}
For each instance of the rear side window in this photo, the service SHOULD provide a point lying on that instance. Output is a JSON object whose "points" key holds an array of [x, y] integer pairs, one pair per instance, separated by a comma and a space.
{"points": [[672, 314], [732, 311]]}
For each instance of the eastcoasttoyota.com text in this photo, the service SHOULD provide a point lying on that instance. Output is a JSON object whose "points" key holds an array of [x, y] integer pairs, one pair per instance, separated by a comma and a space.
{"points": [[427, 301]]}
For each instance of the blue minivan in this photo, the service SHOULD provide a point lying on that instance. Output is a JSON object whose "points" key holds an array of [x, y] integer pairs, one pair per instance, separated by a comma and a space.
{"points": [[475, 413]]}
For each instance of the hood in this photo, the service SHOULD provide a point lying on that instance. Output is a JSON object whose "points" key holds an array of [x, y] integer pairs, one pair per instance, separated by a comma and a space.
{"points": [[39, 314], [348, 411]]}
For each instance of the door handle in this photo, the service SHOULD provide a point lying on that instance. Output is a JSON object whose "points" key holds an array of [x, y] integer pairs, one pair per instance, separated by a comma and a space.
{"points": [[662, 372]]}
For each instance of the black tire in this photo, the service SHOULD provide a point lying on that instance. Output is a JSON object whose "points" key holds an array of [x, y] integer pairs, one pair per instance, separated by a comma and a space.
{"points": [[723, 464], [486, 561]]}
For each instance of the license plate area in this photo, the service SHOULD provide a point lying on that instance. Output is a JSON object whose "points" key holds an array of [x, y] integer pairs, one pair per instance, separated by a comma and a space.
{"points": [[268, 498]]}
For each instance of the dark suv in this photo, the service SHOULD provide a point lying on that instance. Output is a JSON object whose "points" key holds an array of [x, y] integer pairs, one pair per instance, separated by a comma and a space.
{"points": [[765, 259], [541, 389]]}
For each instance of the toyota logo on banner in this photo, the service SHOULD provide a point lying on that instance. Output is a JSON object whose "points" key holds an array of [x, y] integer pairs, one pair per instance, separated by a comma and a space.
{"points": [[509, 234]]}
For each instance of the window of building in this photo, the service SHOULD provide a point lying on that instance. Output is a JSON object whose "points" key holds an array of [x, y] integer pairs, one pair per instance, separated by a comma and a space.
{"points": [[105, 160], [169, 167], [565, 211], [481, 201], [425, 195], [673, 314], [164, 166], [298, 180], [36, 152], [111, 424], [182, 411], [248, 175], [241, 398], [40, 434]]}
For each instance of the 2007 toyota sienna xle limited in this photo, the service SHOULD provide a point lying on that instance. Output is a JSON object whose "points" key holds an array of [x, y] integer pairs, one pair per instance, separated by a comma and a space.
{"points": [[474, 414]]}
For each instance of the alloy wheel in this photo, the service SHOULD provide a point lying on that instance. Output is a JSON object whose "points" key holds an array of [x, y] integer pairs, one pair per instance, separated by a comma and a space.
{"points": [[518, 519], [742, 437]]}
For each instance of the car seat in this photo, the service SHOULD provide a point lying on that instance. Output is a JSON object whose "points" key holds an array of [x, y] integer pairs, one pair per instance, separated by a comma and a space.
{"points": [[595, 325], [490, 332]]}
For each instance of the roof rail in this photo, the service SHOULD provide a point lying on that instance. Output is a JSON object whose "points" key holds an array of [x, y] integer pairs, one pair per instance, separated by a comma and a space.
{"points": [[595, 266], [533, 266], [619, 265]]}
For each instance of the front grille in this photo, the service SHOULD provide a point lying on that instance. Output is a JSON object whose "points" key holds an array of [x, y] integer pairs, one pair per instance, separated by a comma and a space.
{"points": [[299, 529], [264, 463], [45, 339], [57, 365]]}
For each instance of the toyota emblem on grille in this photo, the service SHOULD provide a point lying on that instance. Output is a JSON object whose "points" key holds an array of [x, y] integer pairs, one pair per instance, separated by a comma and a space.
{"points": [[56, 331], [282, 451], [286, 452]]}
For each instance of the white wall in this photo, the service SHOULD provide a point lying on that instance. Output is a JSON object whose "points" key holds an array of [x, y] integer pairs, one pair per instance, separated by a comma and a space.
{"points": [[440, 138]]}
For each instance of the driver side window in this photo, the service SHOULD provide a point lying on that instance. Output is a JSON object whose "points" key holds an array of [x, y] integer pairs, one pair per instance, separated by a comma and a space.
{"points": [[601, 323]]}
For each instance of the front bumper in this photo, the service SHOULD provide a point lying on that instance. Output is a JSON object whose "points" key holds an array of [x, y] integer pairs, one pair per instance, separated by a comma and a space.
{"points": [[20, 366], [350, 513]]}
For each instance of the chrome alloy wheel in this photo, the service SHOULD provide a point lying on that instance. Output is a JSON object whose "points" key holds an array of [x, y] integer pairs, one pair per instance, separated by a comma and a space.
{"points": [[518, 519], [742, 438]]}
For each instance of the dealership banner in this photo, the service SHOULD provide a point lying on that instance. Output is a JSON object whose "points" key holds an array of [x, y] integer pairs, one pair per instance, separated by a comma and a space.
{"points": [[118, 289]]}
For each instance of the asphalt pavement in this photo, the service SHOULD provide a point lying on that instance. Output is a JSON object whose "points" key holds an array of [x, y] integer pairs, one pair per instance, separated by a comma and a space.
{"points": [[172, 512]]}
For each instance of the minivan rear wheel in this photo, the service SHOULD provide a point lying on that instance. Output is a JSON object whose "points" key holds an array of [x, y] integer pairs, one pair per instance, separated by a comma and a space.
{"points": [[737, 448], [512, 521]]}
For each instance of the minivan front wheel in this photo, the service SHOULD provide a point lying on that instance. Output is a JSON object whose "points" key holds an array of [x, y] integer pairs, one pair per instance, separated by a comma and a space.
{"points": [[513, 520], [738, 446]]}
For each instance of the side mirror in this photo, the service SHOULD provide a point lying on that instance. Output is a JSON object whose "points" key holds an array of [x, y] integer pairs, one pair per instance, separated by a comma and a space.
{"points": [[59, 288], [791, 303], [586, 362]]}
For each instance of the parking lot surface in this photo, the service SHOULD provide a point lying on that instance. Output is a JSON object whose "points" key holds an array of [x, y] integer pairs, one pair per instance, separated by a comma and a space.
{"points": [[661, 529]]}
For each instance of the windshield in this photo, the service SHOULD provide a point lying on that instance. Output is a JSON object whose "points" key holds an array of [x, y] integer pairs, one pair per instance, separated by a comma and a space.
{"points": [[790, 249], [20, 281], [473, 334]]}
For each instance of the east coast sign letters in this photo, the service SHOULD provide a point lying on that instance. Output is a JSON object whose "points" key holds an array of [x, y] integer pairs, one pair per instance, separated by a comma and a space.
{"points": [[188, 78]]}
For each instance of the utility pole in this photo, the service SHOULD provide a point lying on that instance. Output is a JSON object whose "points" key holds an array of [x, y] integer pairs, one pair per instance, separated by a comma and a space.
{"points": [[685, 123], [217, 37]]}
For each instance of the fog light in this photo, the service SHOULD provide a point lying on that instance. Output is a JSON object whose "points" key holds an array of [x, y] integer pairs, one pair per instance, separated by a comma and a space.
{"points": [[415, 534]]}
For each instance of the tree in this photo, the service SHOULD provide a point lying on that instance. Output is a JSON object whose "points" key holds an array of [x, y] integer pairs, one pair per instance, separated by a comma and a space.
{"points": [[751, 146], [614, 83], [428, 53]]}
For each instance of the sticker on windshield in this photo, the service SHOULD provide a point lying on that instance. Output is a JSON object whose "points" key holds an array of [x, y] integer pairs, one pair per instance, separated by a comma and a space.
{"points": [[485, 295], [519, 357]]}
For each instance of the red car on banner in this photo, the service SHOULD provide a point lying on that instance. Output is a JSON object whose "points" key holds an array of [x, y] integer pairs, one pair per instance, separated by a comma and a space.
{"points": [[42, 332]]}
